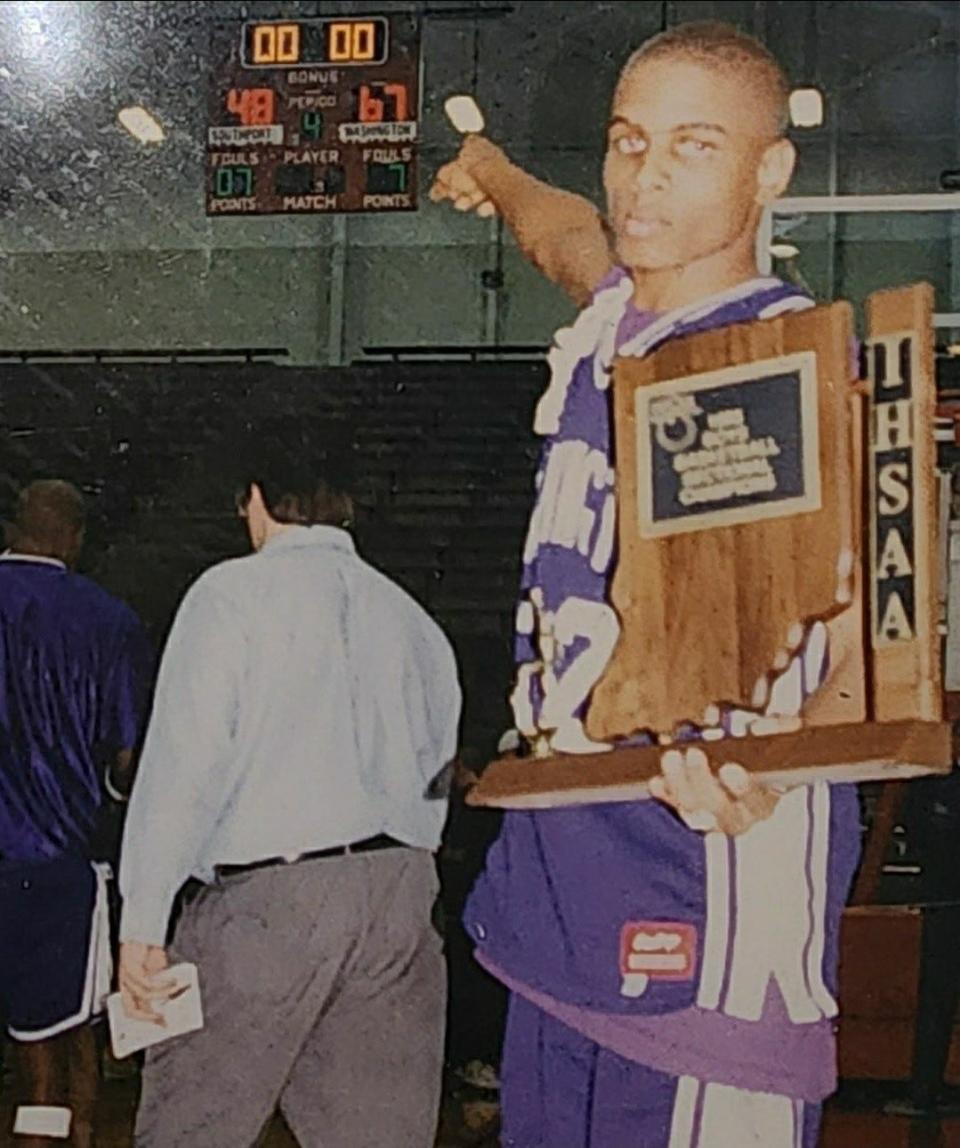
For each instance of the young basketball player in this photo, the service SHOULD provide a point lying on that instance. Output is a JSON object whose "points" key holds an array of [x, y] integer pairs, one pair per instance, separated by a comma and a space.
{"points": [[672, 963]]}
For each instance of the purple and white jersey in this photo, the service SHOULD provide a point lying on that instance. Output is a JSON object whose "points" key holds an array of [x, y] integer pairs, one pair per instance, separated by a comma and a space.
{"points": [[75, 669], [569, 552], [619, 913]]}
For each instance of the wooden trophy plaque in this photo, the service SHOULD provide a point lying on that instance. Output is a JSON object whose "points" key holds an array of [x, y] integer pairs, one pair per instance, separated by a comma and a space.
{"points": [[778, 578]]}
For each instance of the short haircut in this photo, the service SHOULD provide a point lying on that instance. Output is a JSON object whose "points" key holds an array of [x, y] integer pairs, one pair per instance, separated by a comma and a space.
{"points": [[301, 472], [722, 46], [50, 514]]}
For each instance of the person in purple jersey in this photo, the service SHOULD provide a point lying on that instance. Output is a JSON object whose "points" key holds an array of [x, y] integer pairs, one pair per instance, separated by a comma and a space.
{"points": [[74, 672], [672, 963]]}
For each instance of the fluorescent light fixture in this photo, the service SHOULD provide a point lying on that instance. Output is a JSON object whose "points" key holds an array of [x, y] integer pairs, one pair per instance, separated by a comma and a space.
{"points": [[806, 108], [141, 125], [463, 113], [784, 250]]}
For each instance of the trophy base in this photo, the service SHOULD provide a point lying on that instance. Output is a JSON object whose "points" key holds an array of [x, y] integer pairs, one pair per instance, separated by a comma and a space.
{"points": [[870, 751]]}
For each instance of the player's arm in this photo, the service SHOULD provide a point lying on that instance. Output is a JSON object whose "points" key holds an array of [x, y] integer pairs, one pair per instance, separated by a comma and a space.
{"points": [[562, 234], [124, 698], [119, 778]]}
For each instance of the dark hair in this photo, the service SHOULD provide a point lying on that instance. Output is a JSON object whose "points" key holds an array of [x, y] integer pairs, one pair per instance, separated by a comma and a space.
{"points": [[301, 472], [715, 44], [50, 515]]}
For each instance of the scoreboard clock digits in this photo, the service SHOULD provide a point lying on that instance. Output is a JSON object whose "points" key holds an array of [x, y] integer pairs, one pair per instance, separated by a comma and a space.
{"points": [[315, 43]]}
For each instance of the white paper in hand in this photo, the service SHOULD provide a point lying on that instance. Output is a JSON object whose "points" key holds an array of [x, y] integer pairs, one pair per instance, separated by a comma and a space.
{"points": [[463, 113], [183, 1013]]}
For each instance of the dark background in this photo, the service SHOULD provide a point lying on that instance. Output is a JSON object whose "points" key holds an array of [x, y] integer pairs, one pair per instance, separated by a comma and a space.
{"points": [[443, 462]]}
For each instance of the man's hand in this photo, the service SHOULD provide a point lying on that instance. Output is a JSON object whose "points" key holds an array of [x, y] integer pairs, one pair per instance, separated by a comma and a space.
{"points": [[457, 181], [141, 981], [730, 801]]}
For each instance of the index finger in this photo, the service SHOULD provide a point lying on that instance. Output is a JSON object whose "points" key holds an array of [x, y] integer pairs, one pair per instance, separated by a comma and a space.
{"points": [[458, 180], [148, 987], [438, 190], [698, 789], [137, 1009]]}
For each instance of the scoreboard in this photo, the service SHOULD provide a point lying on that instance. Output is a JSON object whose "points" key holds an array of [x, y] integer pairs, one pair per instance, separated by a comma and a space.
{"points": [[315, 115]]}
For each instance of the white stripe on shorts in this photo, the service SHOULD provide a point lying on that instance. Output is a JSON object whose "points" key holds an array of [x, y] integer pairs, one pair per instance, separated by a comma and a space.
{"points": [[718, 1116], [684, 1112]]}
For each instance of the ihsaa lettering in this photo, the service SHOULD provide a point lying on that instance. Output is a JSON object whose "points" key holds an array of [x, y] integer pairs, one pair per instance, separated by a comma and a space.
{"points": [[891, 370]]}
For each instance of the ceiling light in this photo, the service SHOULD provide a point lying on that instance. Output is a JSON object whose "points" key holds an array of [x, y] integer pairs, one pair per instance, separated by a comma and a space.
{"points": [[806, 108], [784, 250], [51, 44], [463, 113], [141, 125]]}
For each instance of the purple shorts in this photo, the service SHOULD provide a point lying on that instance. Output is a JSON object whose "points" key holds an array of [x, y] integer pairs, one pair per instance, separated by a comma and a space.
{"points": [[560, 1090], [50, 967]]}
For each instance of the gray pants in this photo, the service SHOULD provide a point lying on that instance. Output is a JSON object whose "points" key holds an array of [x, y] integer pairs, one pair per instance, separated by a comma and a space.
{"points": [[324, 992]]}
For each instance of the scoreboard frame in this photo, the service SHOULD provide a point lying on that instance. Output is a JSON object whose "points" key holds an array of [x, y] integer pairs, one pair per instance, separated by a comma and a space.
{"points": [[331, 128]]}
